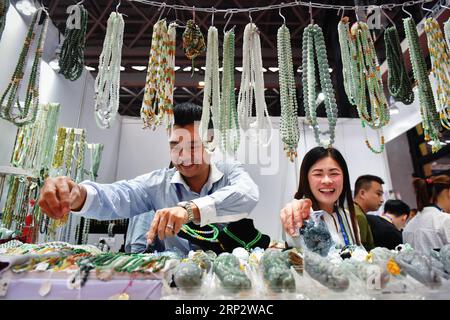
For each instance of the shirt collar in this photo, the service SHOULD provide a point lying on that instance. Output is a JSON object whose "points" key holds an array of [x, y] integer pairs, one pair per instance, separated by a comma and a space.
{"points": [[214, 175]]}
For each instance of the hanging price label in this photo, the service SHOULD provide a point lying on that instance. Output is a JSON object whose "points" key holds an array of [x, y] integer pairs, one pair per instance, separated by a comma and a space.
{"points": [[4, 284]]}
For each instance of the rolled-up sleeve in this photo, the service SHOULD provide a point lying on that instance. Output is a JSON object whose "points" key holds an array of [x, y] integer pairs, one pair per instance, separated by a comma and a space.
{"points": [[232, 202], [119, 200]]}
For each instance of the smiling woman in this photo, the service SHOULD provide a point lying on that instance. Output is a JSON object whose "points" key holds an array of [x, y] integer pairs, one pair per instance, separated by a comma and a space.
{"points": [[324, 185]]}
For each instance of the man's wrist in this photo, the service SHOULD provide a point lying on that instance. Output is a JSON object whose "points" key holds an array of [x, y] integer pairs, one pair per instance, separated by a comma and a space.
{"points": [[189, 207], [79, 203]]}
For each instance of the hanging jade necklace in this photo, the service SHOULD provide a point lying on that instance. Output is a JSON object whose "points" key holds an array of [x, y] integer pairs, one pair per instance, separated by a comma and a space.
{"points": [[245, 245], [447, 32], [71, 61], [440, 68], [289, 120], [193, 42], [157, 105], [107, 83], [228, 121], [398, 81], [211, 93], [4, 6], [22, 115], [362, 74], [199, 234], [430, 117], [314, 45], [252, 85]]}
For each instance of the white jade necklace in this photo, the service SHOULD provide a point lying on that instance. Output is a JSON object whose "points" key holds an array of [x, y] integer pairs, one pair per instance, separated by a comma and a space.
{"points": [[211, 93], [252, 83], [107, 83]]}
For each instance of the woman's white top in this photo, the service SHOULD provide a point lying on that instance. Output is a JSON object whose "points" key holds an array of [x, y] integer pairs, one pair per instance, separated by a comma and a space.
{"points": [[429, 229]]}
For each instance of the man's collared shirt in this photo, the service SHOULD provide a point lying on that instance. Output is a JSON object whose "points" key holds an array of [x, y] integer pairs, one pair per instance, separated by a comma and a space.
{"points": [[228, 195]]}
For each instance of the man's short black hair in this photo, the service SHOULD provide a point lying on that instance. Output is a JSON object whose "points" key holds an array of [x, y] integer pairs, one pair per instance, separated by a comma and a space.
{"points": [[187, 113], [397, 208], [363, 182]]}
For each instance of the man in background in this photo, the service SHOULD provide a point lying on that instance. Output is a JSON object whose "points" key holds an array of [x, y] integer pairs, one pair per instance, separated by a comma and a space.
{"points": [[387, 228], [368, 197]]}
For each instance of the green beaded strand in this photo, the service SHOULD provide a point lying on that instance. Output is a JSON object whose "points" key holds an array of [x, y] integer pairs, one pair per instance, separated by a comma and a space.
{"points": [[398, 81], [71, 61], [430, 117], [314, 45], [228, 119], [23, 115], [4, 6], [290, 133]]}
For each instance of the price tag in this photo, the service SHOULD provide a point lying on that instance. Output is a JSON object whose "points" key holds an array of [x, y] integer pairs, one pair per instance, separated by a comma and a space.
{"points": [[4, 284], [42, 266]]}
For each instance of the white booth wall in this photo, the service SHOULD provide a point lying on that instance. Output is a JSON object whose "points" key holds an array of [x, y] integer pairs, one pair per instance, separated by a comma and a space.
{"points": [[275, 175]]}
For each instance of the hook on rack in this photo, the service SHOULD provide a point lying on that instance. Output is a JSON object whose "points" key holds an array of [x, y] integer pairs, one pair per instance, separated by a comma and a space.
{"points": [[404, 10], [387, 16], [226, 24], [250, 16], [80, 2], [118, 5], [212, 17], [162, 8], [193, 13], [279, 12], [444, 6], [311, 20], [425, 9], [343, 12]]}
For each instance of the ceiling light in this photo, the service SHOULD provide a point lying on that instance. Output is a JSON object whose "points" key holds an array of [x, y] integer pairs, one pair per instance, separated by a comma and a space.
{"points": [[90, 68], [239, 69], [321, 97], [299, 70], [394, 110], [220, 69], [139, 68], [25, 7], [274, 69], [432, 143], [122, 68], [54, 64], [330, 70], [264, 69], [176, 68], [190, 69], [203, 68], [447, 141], [201, 83]]}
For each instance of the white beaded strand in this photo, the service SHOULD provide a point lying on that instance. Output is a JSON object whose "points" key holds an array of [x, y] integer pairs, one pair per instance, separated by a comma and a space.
{"points": [[252, 83], [211, 93], [107, 83]]}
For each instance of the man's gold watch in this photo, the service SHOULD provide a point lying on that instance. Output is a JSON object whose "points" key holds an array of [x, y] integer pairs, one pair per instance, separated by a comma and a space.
{"points": [[188, 206]]}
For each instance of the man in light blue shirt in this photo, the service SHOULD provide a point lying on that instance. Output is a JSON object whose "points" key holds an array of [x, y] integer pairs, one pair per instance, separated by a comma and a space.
{"points": [[194, 190]]}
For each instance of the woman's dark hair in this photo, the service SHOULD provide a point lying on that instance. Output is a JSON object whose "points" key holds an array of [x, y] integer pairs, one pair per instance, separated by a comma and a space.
{"points": [[304, 189], [427, 190]]}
